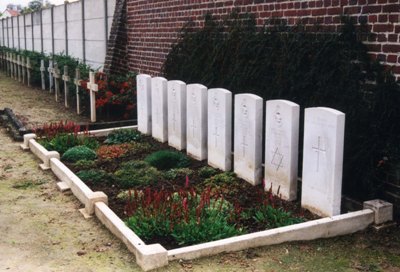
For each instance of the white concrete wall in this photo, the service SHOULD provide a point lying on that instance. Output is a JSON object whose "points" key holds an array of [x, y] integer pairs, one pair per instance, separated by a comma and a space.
{"points": [[37, 40], [21, 32], [28, 27], [94, 23], [74, 13], [47, 40]]}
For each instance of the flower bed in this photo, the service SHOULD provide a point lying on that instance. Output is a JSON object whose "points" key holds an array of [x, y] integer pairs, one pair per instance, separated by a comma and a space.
{"points": [[165, 196]]}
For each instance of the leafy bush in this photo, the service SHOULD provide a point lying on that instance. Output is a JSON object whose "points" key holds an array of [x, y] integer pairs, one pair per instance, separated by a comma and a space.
{"points": [[184, 216], [123, 136], [85, 164], [225, 178], [310, 67], [207, 171], [136, 173], [62, 142], [94, 175], [78, 153], [176, 173], [165, 159], [274, 218], [112, 151]]}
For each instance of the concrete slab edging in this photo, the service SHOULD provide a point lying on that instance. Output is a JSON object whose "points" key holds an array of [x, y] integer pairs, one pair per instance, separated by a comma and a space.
{"points": [[153, 256]]}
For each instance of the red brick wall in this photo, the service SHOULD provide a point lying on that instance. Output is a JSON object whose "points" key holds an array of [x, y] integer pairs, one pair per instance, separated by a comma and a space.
{"points": [[153, 25]]}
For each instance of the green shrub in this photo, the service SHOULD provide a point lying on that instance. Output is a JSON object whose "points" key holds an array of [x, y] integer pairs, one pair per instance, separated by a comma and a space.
{"points": [[62, 142], [165, 159], [94, 175], [123, 136], [85, 164], [207, 171], [136, 173], [78, 153], [225, 178], [274, 218], [310, 66], [184, 216], [176, 173]]}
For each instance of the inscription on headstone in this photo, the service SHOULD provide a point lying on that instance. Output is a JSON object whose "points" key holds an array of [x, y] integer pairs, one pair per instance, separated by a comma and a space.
{"points": [[220, 129], [281, 147], [248, 137], [323, 160]]}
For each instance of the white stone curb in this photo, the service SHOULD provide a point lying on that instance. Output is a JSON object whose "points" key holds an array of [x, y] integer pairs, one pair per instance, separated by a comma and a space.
{"points": [[153, 256], [321, 228]]}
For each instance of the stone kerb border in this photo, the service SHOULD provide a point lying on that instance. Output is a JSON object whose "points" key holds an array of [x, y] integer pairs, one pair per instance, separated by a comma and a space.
{"points": [[153, 256]]}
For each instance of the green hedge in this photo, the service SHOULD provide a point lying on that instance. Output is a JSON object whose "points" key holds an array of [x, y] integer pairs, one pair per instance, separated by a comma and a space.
{"points": [[309, 68]]}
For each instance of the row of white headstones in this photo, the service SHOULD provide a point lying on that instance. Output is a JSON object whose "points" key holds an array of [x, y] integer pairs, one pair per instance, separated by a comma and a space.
{"points": [[199, 120], [16, 67]]}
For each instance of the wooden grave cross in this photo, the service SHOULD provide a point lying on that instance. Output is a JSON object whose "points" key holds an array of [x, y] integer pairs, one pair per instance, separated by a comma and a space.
{"points": [[93, 88], [77, 82], [50, 70], [42, 70], [28, 70], [66, 79], [56, 76]]}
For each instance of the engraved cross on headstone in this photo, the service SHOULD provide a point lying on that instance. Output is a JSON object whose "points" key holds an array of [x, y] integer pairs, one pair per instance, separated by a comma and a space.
{"points": [[42, 75], [93, 88], [244, 144], [216, 135], [318, 149], [56, 76], [77, 82], [66, 79]]}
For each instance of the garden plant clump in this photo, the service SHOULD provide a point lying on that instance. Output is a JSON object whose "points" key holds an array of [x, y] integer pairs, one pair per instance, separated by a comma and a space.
{"points": [[165, 196]]}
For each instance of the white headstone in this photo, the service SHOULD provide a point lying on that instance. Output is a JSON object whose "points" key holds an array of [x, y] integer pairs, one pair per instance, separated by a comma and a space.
{"points": [[144, 103], [322, 160], [281, 148], [159, 110], [177, 114], [93, 88], [248, 137], [196, 118], [77, 82], [42, 70], [220, 129]]}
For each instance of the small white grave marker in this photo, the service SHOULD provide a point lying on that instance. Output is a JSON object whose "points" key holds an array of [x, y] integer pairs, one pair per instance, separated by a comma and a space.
{"points": [[323, 160], [144, 103], [177, 114], [159, 110], [50, 70], [42, 70], [56, 76], [23, 65], [196, 118], [220, 129], [19, 68], [66, 79], [28, 70], [248, 137], [93, 88], [77, 82], [281, 147]]}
